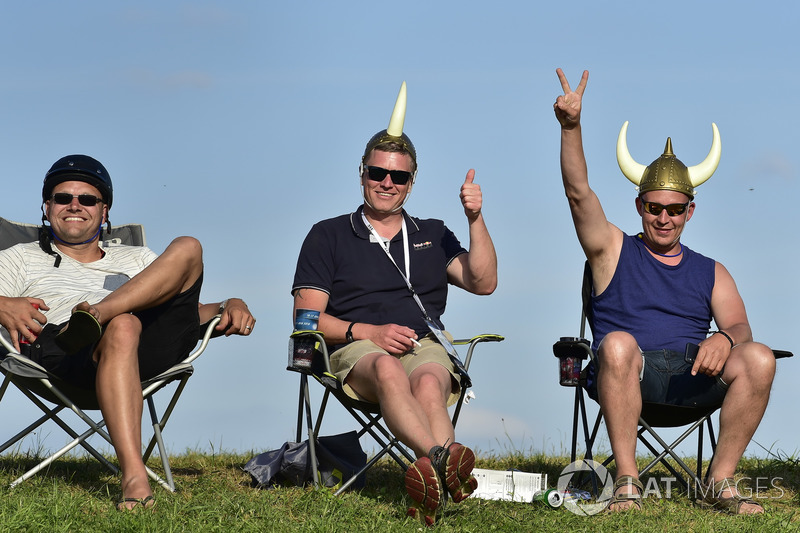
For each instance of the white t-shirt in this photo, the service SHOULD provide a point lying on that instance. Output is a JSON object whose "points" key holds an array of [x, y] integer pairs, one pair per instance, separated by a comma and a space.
{"points": [[26, 271]]}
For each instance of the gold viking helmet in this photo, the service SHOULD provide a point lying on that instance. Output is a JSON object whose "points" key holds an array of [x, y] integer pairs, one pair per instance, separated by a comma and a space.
{"points": [[667, 173], [394, 133]]}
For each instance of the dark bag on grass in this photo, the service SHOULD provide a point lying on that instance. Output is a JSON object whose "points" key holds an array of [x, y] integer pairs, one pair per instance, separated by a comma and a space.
{"points": [[339, 457]]}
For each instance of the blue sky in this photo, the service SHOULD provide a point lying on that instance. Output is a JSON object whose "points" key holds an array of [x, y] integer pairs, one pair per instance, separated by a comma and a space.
{"points": [[242, 123]]}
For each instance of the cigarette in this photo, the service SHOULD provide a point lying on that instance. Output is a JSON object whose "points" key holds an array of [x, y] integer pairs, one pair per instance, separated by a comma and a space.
{"points": [[415, 342]]}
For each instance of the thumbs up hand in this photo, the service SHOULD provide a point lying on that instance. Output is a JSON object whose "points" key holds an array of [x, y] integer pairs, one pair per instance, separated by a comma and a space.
{"points": [[471, 196]]}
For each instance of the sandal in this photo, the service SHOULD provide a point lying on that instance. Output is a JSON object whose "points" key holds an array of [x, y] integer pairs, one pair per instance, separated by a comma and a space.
{"points": [[81, 331], [636, 499], [148, 502], [711, 497]]}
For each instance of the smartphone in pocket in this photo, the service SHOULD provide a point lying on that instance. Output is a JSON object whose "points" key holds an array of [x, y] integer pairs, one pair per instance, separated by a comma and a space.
{"points": [[691, 351]]}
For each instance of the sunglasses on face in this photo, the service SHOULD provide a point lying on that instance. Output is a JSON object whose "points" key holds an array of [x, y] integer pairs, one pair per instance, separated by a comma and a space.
{"points": [[64, 198], [399, 177], [672, 209]]}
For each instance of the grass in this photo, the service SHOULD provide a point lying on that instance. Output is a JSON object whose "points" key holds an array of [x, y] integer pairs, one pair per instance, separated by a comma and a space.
{"points": [[214, 494]]}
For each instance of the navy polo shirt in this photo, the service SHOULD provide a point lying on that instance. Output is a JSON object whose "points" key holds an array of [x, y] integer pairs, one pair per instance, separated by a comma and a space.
{"points": [[363, 285]]}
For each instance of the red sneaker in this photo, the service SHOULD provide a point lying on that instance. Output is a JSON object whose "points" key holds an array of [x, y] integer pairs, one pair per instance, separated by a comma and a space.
{"points": [[425, 489], [455, 466]]}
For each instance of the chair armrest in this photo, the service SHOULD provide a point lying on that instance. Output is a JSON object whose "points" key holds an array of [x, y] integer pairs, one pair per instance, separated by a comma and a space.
{"points": [[7, 347], [208, 328], [474, 341], [207, 331]]}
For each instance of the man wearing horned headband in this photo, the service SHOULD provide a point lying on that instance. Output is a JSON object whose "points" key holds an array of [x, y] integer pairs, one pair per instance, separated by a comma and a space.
{"points": [[379, 279], [651, 296]]}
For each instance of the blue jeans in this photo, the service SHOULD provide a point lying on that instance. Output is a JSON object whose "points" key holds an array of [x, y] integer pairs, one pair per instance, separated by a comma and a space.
{"points": [[667, 379]]}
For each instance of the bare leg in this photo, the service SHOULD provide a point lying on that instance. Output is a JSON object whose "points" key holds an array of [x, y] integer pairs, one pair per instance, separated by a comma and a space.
{"points": [[119, 393], [620, 398], [174, 272], [749, 371], [382, 379], [431, 385]]}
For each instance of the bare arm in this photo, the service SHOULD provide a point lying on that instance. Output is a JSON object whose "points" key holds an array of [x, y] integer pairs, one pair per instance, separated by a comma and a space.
{"points": [[19, 317], [729, 314], [393, 338], [601, 241], [475, 271], [236, 317]]}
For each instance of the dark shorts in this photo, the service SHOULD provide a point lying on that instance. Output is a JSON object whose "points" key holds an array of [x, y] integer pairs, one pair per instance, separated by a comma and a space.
{"points": [[169, 333], [667, 379]]}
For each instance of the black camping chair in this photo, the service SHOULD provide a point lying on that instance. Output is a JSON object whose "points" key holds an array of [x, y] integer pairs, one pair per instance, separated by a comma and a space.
{"points": [[40, 386], [367, 414], [652, 416]]}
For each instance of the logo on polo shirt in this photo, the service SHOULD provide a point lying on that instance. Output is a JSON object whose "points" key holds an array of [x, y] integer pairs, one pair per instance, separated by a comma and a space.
{"points": [[422, 245]]}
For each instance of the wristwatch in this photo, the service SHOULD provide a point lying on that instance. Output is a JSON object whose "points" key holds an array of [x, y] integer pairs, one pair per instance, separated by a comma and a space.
{"points": [[349, 335]]}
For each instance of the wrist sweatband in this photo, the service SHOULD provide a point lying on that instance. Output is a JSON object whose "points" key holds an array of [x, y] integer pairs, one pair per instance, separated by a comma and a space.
{"points": [[730, 340]]}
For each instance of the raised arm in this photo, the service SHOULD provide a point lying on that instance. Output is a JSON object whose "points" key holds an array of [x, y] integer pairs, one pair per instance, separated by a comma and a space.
{"points": [[601, 241], [475, 271]]}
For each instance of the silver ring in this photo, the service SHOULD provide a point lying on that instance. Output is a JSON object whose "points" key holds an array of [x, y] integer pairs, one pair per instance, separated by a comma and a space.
{"points": [[247, 327]]}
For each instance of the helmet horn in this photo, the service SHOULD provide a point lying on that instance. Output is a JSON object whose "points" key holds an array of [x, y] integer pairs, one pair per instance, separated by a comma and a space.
{"points": [[698, 174], [630, 168], [398, 119]]}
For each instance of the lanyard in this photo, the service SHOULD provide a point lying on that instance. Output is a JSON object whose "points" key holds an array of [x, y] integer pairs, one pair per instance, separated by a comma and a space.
{"points": [[386, 243], [435, 329], [407, 274]]}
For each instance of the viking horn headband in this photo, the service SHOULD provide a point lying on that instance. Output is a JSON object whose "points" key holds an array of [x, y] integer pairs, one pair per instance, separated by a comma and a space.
{"points": [[394, 133], [667, 172]]}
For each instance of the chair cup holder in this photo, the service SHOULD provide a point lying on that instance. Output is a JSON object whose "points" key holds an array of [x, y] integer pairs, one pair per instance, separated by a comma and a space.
{"points": [[571, 352]]}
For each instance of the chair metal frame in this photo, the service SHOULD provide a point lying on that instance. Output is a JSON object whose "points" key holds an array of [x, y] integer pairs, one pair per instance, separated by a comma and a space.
{"points": [[36, 383], [367, 414]]}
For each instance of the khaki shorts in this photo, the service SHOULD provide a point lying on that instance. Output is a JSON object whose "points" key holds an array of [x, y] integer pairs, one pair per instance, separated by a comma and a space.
{"points": [[344, 359]]}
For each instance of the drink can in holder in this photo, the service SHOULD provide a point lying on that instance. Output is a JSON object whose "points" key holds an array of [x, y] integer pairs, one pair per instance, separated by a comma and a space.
{"points": [[301, 349], [570, 356], [22, 339]]}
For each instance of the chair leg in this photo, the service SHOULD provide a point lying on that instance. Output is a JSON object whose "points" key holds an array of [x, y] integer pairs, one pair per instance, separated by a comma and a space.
{"points": [[162, 449], [165, 415], [52, 414], [700, 452], [312, 439], [669, 450], [300, 409], [575, 414]]}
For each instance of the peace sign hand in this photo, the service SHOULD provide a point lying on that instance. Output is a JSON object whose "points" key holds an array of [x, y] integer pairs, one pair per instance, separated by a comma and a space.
{"points": [[568, 107]]}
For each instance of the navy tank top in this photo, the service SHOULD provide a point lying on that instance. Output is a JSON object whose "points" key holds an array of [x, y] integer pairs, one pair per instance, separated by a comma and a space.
{"points": [[662, 306]]}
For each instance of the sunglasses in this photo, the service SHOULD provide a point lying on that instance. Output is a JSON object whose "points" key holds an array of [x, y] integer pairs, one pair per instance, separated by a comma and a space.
{"points": [[672, 209], [399, 177], [64, 198]]}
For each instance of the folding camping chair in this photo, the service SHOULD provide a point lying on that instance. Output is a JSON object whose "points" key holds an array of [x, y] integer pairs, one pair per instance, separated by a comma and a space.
{"points": [[367, 414], [652, 415], [38, 384]]}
